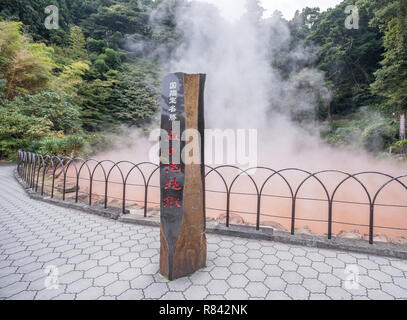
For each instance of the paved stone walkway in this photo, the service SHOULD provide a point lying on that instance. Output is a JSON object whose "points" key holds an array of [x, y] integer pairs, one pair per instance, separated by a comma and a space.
{"points": [[97, 258]]}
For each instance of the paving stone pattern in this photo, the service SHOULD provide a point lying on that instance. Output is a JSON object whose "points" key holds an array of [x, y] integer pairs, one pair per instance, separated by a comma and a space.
{"points": [[49, 252]]}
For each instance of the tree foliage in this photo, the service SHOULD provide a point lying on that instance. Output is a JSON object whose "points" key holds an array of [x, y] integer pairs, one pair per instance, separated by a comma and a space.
{"points": [[83, 80]]}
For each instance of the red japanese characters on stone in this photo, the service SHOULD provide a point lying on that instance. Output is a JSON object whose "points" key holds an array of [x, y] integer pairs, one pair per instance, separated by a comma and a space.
{"points": [[171, 202], [173, 184], [172, 168], [173, 136]]}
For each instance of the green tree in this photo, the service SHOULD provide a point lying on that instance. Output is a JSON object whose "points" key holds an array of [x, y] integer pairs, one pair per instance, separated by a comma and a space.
{"points": [[349, 57], [26, 66], [391, 78]]}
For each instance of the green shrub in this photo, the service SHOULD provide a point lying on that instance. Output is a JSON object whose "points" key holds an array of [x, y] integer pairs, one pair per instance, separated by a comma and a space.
{"points": [[400, 147], [68, 146], [345, 136], [18, 131], [378, 136]]}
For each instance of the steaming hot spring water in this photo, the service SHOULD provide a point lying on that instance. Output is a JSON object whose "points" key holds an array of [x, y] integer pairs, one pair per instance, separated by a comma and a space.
{"points": [[350, 209], [244, 90]]}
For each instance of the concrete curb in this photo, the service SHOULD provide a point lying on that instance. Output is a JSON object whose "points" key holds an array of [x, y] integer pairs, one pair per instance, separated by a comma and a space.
{"points": [[357, 246]]}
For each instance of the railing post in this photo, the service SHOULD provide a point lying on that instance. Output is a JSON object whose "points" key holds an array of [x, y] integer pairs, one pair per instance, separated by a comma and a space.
{"points": [[293, 217], [124, 199], [227, 208], [330, 219], [371, 221], [90, 190], [106, 187], [53, 183], [258, 212], [77, 187], [145, 201]]}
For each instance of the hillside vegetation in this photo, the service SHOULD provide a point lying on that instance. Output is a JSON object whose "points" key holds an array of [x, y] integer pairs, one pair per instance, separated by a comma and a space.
{"points": [[68, 90]]}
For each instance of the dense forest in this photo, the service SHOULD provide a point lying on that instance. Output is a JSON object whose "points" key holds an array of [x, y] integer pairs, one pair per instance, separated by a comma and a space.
{"points": [[67, 90]]}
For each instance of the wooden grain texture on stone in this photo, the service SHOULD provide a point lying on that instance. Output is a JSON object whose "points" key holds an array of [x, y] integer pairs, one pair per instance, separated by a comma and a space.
{"points": [[184, 251], [190, 251]]}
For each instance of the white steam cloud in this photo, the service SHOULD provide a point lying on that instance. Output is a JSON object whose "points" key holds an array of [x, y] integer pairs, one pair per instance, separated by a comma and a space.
{"points": [[244, 89]]}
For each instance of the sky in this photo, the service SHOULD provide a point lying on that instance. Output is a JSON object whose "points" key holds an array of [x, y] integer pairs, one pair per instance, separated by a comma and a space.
{"points": [[233, 9]]}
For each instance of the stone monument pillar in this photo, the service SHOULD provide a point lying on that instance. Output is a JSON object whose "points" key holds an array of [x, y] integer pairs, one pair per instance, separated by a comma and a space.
{"points": [[182, 175]]}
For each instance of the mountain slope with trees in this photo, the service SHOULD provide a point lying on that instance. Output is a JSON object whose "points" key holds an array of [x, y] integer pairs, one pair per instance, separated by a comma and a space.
{"points": [[66, 90]]}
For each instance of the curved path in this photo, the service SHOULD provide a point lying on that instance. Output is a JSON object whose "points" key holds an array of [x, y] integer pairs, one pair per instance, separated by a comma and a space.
{"points": [[49, 252]]}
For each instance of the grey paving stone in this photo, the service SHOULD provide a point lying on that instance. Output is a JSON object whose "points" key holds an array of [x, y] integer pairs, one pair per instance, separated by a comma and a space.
{"points": [[277, 295], [272, 270], [196, 293], [237, 281], [13, 289], [297, 292], [256, 254], [79, 286], [105, 279], [401, 282], [394, 290], [322, 267], [401, 265], [95, 272], [129, 274], [292, 277], [338, 293], [392, 271], [71, 277], [275, 283], [236, 294], [142, 282], [308, 272], [380, 276], [257, 290], [302, 261], [314, 286], [347, 258], [24, 295], [368, 264], [318, 297], [238, 268], [117, 288], [237, 257], [220, 273], [226, 244], [119, 267], [200, 278], [131, 294], [155, 291], [329, 280], [179, 284], [256, 275], [173, 296], [92, 293], [108, 261], [315, 257], [369, 283], [288, 265], [376, 294], [215, 297], [217, 286]]}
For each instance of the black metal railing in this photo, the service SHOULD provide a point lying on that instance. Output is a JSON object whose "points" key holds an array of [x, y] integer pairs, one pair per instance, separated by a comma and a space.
{"points": [[33, 169]]}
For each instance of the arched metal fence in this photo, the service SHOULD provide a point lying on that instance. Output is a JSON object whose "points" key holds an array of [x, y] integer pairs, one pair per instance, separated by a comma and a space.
{"points": [[33, 169]]}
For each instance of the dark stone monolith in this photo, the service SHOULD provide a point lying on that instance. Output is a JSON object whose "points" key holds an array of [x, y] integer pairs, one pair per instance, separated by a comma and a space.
{"points": [[182, 176]]}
